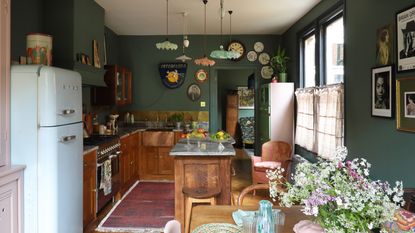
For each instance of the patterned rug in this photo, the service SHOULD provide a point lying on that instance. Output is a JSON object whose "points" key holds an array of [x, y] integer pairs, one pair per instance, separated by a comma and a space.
{"points": [[146, 207]]}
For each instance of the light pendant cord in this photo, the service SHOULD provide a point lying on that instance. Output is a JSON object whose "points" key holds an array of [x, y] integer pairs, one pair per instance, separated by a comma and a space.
{"points": [[230, 25], [205, 2], [167, 19]]}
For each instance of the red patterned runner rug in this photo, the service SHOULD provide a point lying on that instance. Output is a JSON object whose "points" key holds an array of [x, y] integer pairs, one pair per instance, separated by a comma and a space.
{"points": [[146, 207]]}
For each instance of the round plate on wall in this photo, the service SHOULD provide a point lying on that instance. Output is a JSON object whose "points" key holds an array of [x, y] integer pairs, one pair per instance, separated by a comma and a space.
{"points": [[258, 47], [263, 58], [201, 76], [266, 72], [251, 56], [193, 92]]}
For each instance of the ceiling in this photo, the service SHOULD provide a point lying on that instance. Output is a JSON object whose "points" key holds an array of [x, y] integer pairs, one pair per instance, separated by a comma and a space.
{"points": [[148, 17]]}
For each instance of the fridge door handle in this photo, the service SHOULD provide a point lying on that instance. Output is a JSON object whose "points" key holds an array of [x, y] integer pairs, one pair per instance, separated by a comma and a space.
{"points": [[68, 138], [67, 112]]}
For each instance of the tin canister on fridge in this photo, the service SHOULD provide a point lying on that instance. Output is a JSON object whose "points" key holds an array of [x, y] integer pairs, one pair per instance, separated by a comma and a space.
{"points": [[39, 48]]}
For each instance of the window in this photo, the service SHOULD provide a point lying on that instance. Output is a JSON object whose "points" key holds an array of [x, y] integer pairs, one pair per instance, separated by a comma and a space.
{"points": [[320, 103]]}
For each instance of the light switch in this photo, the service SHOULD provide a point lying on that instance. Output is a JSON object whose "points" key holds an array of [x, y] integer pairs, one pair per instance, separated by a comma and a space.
{"points": [[202, 104]]}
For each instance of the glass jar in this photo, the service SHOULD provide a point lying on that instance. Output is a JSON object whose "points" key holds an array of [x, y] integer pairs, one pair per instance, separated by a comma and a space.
{"points": [[265, 220]]}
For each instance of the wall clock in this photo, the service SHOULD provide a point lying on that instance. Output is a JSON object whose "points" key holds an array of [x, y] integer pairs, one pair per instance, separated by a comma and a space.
{"points": [[251, 56], [238, 47], [263, 58], [201, 76], [258, 47]]}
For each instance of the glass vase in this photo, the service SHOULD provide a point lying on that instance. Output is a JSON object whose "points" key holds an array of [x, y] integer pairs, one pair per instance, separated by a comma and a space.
{"points": [[265, 220]]}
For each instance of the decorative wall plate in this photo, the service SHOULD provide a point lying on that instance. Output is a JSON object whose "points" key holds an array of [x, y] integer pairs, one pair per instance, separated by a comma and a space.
{"points": [[251, 56], [172, 74], [258, 47], [266, 72], [194, 92], [263, 58], [201, 76]]}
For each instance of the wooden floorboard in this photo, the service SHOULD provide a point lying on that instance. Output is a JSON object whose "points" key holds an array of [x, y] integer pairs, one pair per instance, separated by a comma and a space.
{"points": [[240, 180]]}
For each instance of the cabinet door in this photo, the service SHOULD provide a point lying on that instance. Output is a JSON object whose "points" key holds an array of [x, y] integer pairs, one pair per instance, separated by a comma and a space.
{"points": [[150, 160], [8, 206], [4, 81], [119, 86], [89, 189], [124, 162], [165, 162], [231, 113], [128, 99]]}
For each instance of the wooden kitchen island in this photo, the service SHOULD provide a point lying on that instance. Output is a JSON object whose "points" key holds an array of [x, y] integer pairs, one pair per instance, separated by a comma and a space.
{"points": [[201, 165]]}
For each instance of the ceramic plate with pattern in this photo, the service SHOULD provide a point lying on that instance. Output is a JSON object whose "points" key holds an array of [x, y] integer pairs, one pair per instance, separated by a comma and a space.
{"points": [[263, 58], [217, 228], [266, 72], [258, 47], [251, 56]]}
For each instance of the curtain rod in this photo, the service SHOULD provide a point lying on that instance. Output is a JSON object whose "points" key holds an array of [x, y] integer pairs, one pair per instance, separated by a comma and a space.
{"points": [[320, 87]]}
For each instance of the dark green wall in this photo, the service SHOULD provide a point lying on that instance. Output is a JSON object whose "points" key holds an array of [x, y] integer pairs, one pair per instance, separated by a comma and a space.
{"points": [[140, 55], [390, 151], [230, 80], [112, 46], [25, 18]]}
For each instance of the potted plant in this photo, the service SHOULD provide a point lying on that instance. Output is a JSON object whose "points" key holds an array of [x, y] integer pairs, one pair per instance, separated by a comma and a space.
{"points": [[279, 63], [177, 118]]}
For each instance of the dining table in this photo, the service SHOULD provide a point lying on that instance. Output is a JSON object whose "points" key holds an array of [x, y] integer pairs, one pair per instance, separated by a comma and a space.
{"points": [[203, 214]]}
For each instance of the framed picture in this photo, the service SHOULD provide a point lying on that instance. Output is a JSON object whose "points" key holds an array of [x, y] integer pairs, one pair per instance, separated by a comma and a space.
{"points": [[97, 62], [405, 104], [193, 92], [384, 45], [382, 91], [246, 98], [405, 31]]}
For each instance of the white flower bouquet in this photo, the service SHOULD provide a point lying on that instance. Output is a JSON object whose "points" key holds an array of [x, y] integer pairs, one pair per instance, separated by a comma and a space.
{"points": [[339, 194]]}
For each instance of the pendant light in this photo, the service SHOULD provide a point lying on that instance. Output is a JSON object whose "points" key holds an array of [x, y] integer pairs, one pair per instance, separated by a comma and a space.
{"points": [[186, 42], [167, 45], [221, 53], [205, 61]]}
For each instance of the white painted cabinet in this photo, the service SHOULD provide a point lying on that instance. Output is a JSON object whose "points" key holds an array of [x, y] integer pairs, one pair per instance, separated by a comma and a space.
{"points": [[11, 190]]}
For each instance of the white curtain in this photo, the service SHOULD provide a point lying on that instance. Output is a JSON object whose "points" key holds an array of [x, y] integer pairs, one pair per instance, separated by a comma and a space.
{"points": [[330, 120], [304, 135], [320, 121]]}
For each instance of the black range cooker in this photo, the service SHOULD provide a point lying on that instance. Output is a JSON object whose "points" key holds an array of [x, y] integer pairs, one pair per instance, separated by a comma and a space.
{"points": [[108, 149]]}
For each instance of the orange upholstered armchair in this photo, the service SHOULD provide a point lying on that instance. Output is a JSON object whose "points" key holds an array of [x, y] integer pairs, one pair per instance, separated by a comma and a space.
{"points": [[274, 154]]}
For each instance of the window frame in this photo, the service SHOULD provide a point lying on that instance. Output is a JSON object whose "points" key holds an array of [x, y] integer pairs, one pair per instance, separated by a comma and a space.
{"points": [[319, 28]]}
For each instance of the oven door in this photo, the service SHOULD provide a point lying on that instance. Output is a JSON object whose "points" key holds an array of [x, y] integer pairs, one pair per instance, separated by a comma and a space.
{"points": [[103, 199]]}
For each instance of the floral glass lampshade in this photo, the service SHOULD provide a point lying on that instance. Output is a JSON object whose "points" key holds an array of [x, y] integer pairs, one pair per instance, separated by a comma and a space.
{"points": [[204, 61], [167, 45]]}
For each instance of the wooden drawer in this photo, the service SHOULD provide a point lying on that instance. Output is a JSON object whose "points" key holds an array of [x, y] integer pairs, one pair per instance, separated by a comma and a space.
{"points": [[158, 139]]}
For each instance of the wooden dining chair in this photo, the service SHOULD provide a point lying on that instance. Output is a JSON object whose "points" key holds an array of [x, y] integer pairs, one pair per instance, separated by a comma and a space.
{"points": [[250, 189]]}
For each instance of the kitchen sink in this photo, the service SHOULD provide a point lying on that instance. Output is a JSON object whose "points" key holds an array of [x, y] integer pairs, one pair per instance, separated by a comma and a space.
{"points": [[160, 129]]}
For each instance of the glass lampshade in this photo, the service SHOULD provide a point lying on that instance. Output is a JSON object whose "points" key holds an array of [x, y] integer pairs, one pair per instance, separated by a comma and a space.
{"points": [[204, 61], [166, 45]]}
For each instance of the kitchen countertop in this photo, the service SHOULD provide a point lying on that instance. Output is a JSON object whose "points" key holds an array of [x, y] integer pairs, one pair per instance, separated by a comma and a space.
{"points": [[88, 149], [206, 148]]}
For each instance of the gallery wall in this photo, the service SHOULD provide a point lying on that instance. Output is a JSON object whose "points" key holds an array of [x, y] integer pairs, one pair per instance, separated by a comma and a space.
{"points": [[389, 150]]}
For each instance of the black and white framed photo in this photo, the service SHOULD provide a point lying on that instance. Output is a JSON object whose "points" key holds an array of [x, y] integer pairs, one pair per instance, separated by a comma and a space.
{"points": [[382, 91], [405, 36]]}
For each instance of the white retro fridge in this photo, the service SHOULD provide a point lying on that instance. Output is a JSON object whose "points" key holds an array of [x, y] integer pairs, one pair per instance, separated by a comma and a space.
{"points": [[46, 136]]}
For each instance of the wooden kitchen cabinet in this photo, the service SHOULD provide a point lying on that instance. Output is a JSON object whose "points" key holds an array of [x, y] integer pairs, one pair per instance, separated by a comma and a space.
{"points": [[11, 186], [130, 150], [90, 187], [119, 87], [155, 161]]}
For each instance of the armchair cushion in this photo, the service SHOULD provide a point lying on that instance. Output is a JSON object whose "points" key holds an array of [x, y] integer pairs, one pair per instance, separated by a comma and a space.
{"points": [[263, 166]]}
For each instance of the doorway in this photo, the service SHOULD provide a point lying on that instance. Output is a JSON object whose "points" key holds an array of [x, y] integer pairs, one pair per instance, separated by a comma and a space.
{"points": [[227, 80]]}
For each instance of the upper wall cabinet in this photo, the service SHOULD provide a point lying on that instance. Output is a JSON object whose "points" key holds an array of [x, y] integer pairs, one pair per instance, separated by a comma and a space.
{"points": [[118, 91], [74, 24]]}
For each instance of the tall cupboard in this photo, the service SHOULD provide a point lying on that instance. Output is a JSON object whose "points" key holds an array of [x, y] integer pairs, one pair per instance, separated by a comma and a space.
{"points": [[11, 177]]}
